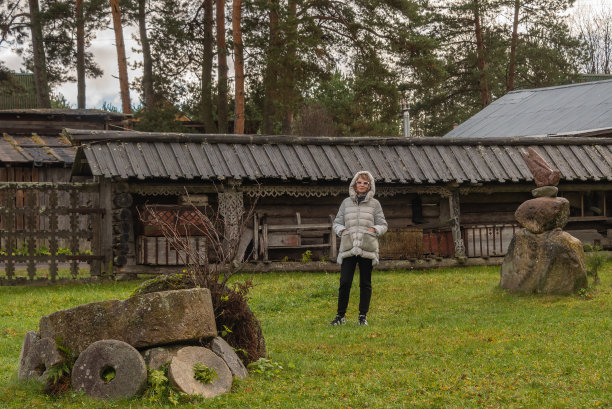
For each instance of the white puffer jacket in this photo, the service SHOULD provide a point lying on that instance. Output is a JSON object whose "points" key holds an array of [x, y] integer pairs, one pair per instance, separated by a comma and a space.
{"points": [[357, 219]]}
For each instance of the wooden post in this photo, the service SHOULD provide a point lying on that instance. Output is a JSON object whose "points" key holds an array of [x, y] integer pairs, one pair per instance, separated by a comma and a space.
{"points": [[333, 250], [106, 226], [231, 208], [455, 214], [255, 236]]}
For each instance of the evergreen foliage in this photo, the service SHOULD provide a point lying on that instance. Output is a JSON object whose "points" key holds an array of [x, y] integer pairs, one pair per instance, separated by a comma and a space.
{"points": [[324, 67]]}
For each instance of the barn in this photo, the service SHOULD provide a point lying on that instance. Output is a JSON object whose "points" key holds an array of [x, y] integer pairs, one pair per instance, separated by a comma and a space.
{"points": [[444, 198]]}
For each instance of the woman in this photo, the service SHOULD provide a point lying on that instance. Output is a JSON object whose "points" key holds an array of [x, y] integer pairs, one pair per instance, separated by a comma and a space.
{"points": [[359, 222]]}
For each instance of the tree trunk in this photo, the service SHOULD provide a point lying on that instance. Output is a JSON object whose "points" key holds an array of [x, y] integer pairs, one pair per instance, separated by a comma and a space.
{"points": [[80, 54], [513, 45], [121, 59], [271, 75], [222, 62], [41, 81], [147, 62], [291, 67], [238, 67], [207, 63], [484, 89]]}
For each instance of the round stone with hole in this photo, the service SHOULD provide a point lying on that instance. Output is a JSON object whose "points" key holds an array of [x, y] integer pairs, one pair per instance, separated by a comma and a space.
{"points": [[110, 369]]}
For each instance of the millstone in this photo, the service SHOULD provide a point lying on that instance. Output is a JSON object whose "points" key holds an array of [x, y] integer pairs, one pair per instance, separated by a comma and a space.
{"points": [[220, 347], [36, 357], [106, 356], [181, 372]]}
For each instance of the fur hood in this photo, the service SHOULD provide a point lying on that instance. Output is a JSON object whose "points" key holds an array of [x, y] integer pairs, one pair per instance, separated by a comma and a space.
{"points": [[371, 192]]}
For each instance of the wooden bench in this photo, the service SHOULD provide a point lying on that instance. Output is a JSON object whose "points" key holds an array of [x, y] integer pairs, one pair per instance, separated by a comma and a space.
{"points": [[291, 236]]}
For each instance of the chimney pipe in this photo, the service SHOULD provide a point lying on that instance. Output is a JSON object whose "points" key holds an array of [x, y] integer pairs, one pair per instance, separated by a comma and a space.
{"points": [[406, 119]]}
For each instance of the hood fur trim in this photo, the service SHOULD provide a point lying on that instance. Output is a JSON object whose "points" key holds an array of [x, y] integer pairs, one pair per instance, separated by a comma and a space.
{"points": [[371, 192]]}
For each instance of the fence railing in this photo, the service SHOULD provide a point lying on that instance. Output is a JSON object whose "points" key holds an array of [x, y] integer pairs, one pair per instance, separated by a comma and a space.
{"points": [[47, 225], [491, 240]]}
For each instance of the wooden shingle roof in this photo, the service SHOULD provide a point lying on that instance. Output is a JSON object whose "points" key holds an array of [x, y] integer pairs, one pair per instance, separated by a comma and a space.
{"points": [[132, 155], [35, 150]]}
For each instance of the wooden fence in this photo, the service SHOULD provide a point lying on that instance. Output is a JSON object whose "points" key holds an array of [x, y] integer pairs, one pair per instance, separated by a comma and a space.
{"points": [[488, 240], [47, 225]]}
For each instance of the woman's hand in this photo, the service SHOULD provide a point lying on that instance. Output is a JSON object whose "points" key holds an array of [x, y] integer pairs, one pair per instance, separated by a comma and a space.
{"points": [[372, 230]]}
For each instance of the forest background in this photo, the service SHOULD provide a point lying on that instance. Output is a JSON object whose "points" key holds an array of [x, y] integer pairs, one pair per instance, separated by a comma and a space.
{"points": [[308, 67]]}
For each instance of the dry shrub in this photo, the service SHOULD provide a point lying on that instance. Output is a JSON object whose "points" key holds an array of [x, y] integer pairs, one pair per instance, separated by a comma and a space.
{"points": [[242, 328], [211, 269]]}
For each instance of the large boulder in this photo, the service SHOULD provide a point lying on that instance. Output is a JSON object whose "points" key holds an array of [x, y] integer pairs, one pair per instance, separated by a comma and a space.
{"points": [[549, 263], [142, 321], [543, 213]]}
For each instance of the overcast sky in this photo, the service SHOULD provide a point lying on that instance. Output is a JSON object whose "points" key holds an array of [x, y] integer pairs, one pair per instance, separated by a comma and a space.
{"points": [[106, 88]]}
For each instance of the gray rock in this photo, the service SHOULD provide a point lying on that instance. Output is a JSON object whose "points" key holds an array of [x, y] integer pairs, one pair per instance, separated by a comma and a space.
{"points": [[549, 263], [220, 347], [543, 214], [147, 320], [545, 191], [181, 372], [101, 356], [37, 357], [157, 357]]}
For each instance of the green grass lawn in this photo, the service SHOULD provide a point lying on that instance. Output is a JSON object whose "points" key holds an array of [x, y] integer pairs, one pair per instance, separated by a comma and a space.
{"points": [[437, 339]]}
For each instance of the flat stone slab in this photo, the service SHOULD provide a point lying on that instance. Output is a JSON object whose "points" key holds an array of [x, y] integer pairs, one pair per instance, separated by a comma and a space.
{"points": [[36, 357], [545, 191], [142, 321], [181, 372], [130, 371], [224, 350], [549, 263]]}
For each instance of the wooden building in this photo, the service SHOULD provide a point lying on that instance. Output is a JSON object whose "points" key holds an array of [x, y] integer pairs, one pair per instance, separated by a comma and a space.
{"points": [[443, 197], [33, 150]]}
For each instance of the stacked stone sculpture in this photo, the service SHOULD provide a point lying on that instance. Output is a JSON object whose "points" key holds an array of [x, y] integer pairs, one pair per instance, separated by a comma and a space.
{"points": [[124, 337], [542, 258]]}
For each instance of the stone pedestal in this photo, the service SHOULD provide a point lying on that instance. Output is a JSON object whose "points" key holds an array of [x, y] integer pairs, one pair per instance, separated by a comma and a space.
{"points": [[550, 263]]}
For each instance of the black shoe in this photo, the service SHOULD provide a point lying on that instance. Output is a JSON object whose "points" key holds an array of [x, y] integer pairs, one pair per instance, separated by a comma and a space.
{"points": [[362, 319], [339, 320]]}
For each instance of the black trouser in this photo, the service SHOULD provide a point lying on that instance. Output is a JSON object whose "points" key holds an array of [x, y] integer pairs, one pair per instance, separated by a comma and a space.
{"points": [[347, 271]]}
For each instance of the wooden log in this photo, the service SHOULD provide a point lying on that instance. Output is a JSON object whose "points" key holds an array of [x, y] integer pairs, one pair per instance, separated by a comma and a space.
{"points": [[123, 215], [106, 226], [120, 260], [123, 200], [83, 135], [122, 228], [487, 218], [489, 207]]}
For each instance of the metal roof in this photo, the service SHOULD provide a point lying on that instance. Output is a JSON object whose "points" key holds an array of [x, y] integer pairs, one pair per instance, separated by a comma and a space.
{"points": [[36, 150], [132, 155], [543, 111]]}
